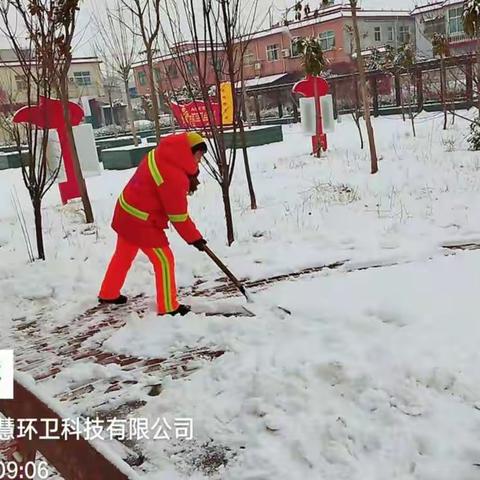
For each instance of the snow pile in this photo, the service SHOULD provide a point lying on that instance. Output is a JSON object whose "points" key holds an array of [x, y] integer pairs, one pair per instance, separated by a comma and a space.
{"points": [[374, 376]]}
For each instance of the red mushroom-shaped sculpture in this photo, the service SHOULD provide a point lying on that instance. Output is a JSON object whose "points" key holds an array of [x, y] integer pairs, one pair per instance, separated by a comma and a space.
{"points": [[306, 88], [48, 114]]}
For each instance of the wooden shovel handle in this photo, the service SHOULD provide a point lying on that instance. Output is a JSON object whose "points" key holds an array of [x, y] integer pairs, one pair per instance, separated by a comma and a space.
{"points": [[226, 271]]}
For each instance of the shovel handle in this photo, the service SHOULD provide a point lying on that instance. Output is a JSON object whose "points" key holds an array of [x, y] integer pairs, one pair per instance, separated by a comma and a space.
{"points": [[226, 271]]}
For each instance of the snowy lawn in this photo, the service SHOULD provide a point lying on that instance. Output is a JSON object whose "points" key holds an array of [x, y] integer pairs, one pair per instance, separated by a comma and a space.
{"points": [[373, 376]]}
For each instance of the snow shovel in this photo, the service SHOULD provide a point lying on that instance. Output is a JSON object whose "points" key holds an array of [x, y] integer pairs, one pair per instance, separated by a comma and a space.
{"points": [[234, 279], [228, 273]]}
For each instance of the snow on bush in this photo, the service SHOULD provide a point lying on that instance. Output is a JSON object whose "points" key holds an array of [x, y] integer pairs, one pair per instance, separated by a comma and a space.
{"points": [[142, 125], [108, 130], [474, 137]]}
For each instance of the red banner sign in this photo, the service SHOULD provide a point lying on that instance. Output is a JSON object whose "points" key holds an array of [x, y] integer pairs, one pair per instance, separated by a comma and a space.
{"points": [[194, 114]]}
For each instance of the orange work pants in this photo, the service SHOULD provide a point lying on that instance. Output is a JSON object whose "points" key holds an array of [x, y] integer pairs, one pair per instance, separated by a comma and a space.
{"points": [[163, 265]]}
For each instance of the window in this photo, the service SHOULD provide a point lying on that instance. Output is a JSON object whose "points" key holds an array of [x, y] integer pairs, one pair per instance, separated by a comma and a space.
{"points": [[191, 68], [21, 82], [296, 47], [434, 25], [82, 79], [390, 34], [378, 34], [142, 78], [158, 74], [248, 58], [404, 34], [273, 52], [327, 40], [455, 21], [172, 71]]}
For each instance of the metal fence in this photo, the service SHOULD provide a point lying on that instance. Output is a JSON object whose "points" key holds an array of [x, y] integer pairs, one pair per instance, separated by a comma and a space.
{"points": [[420, 88]]}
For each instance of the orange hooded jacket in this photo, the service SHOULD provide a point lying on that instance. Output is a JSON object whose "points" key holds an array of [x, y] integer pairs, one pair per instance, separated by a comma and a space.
{"points": [[156, 194]]}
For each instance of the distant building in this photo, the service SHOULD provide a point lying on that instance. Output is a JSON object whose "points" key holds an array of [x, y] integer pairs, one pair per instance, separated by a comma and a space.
{"points": [[85, 83], [271, 57], [273, 51], [443, 17]]}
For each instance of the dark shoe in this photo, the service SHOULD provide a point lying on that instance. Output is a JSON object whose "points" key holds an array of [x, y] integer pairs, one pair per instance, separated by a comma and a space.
{"points": [[121, 300], [181, 310]]}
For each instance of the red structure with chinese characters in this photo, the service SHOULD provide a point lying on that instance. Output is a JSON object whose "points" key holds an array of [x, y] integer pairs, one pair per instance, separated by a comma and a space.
{"points": [[195, 114]]}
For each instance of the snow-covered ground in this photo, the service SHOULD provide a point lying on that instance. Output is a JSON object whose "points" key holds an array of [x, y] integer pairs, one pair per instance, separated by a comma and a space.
{"points": [[374, 375]]}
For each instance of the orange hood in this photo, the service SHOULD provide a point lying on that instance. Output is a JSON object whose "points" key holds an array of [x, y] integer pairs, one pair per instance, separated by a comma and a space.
{"points": [[175, 150]]}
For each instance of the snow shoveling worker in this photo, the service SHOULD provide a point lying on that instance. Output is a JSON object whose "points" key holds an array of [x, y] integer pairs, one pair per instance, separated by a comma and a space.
{"points": [[155, 195]]}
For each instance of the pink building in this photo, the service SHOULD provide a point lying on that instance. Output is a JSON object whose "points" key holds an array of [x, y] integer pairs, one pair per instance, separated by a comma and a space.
{"points": [[271, 54], [170, 73], [273, 51]]}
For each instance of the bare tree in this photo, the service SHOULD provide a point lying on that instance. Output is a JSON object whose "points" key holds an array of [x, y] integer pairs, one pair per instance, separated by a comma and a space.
{"points": [[118, 49], [402, 61], [357, 111], [66, 12], [364, 88], [37, 59], [146, 25], [471, 25], [110, 86], [406, 60], [242, 44], [441, 48], [214, 57]]}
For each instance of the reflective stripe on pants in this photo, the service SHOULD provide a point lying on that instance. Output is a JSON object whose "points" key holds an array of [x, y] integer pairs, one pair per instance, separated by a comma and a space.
{"points": [[164, 267]]}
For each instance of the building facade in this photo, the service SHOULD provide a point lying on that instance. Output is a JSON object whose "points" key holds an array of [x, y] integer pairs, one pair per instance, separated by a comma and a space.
{"points": [[85, 85], [272, 53], [84, 78], [443, 17], [171, 70]]}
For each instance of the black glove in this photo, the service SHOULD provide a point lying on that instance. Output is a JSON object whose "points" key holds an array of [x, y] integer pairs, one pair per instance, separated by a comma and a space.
{"points": [[200, 244], [193, 184]]}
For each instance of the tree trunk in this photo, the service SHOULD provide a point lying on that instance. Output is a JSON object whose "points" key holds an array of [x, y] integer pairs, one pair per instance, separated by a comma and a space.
{"points": [[244, 99], [356, 118], [398, 93], [228, 210], [398, 89], [251, 190], [419, 86], [469, 83], [87, 207], [296, 117], [443, 91], [374, 85], [363, 86], [318, 118], [402, 105], [153, 93], [37, 212], [257, 110], [130, 112], [410, 110], [477, 76], [112, 116]]}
